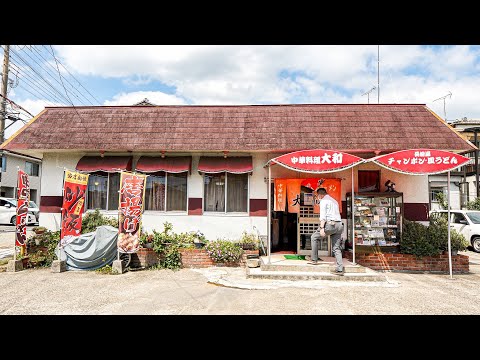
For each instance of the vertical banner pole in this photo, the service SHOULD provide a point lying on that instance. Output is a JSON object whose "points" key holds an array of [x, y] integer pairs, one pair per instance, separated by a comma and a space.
{"points": [[448, 225], [269, 219], [353, 219]]}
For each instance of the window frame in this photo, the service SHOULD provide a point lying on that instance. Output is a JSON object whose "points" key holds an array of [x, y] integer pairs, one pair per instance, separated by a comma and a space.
{"points": [[165, 211], [34, 165], [100, 173], [225, 212]]}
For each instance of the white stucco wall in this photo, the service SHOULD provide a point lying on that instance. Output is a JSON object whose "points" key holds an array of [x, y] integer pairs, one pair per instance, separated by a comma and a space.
{"points": [[213, 226], [413, 187]]}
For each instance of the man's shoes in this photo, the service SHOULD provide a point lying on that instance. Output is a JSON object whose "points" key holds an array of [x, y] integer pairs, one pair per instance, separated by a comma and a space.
{"points": [[339, 273], [308, 257], [313, 262]]}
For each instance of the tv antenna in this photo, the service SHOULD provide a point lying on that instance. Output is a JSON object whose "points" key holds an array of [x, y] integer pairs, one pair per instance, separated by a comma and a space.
{"points": [[444, 97], [368, 93]]}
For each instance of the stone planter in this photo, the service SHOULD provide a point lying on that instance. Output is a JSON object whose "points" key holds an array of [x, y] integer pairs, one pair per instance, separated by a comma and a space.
{"points": [[253, 261]]}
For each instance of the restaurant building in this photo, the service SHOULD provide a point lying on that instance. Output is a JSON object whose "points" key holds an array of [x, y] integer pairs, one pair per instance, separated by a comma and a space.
{"points": [[207, 165]]}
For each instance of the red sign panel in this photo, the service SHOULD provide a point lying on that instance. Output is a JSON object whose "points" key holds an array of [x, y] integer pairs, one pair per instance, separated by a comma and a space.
{"points": [[317, 161], [23, 198], [132, 193], [74, 187], [421, 161]]}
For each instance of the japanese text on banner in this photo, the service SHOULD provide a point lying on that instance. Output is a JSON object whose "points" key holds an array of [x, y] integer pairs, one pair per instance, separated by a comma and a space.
{"points": [[132, 193], [74, 188], [23, 198]]}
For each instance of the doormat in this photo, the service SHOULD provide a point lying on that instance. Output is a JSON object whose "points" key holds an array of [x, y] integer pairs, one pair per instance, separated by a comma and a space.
{"points": [[294, 257]]}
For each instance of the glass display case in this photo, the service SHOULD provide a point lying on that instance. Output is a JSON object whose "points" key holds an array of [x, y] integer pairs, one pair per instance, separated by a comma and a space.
{"points": [[378, 220]]}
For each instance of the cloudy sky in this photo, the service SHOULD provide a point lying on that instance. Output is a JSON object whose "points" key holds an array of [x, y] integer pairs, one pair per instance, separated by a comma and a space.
{"points": [[245, 74]]}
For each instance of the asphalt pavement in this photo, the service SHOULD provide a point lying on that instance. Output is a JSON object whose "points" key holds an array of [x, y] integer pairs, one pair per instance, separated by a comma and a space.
{"points": [[227, 291]]}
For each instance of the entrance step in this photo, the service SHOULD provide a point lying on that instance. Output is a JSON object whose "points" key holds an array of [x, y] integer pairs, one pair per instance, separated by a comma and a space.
{"points": [[277, 267], [258, 273]]}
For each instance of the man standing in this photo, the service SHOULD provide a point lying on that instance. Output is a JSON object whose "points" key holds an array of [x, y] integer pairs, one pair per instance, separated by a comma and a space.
{"points": [[330, 224]]}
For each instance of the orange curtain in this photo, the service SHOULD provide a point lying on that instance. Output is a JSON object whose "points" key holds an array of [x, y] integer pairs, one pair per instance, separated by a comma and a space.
{"points": [[280, 195], [292, 189], [334, 189], [293, 195]]}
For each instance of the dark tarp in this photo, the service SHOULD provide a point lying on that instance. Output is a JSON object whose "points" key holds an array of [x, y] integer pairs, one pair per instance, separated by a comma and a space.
{"points": [[92, 250]]}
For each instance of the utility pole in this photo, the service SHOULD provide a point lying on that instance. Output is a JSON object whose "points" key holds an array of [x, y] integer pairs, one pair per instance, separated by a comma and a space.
{"points": [[378, 73], [3, 114]]}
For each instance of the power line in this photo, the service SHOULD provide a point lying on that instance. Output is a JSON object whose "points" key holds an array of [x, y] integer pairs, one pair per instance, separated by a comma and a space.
{"points": [[49, 63], [81, 118], [48, 73], [15, 104], [34, 83], [58, 62], [40, 76]]}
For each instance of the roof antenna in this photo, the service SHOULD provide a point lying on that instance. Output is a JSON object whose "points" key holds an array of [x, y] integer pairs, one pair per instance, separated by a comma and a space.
{"points": [[444, 97], [368, 93]]}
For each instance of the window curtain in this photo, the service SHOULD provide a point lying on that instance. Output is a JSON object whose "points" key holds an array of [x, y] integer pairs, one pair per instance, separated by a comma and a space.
{"points": [[155, 192], [214, 192], [97, 191], [177, 191], [113, 188], [237, 192]]}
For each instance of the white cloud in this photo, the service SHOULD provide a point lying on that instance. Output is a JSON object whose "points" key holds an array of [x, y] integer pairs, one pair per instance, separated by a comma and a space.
{"points": [[155, 97], [288, 73]]}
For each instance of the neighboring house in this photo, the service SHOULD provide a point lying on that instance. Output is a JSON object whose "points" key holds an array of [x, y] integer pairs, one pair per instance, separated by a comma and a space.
{"points": [[11, 162], [207, 163], [463, 181]]}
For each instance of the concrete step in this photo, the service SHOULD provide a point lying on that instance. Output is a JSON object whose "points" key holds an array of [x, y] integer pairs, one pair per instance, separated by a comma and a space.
{"points": [[260, 273], [303, 267], [280, 268]]}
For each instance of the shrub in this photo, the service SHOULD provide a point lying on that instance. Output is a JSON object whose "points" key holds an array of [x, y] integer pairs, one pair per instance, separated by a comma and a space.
{"points": [[224, 251], [249, 241], [92, 220], [474, 204], [415, 240], [421, 240]]}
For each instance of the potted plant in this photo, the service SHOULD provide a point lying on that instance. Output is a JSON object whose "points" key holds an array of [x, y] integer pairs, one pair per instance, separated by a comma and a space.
{"points": [[39, 230], [199, 239], [146, 240], [248, 241]]}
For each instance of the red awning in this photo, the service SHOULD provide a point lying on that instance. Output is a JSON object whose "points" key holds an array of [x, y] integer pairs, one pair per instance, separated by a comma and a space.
{"points": [[234, 165], [106, 163], [176, 164]]}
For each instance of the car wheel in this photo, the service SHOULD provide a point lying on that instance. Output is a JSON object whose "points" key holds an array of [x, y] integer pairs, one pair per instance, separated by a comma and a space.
{"points": [[13, 220], [476, 244]]}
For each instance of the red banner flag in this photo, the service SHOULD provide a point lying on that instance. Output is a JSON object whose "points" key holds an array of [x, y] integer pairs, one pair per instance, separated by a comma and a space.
{"points": [[132, 193], [74, 188], [23, 198], [421, 161]]}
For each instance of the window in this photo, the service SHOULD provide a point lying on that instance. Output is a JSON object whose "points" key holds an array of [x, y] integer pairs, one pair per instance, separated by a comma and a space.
{"points": [[102, 191], [4, 163], [433, 194], [225, 192], [31, 168], [457, 218], [166, 190], [368, 180]]}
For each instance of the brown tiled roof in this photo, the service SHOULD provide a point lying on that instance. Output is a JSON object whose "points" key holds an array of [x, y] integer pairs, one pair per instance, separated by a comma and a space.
{"points": [[343, 127]]}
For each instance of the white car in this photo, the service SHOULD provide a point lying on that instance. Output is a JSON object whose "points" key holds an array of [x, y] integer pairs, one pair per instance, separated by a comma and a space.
{"points": [[8, 212], [467, 223]]}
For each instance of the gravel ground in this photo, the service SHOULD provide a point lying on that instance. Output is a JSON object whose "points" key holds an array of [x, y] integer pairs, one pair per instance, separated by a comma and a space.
{"points": [[226, 291], [189, 291]]}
